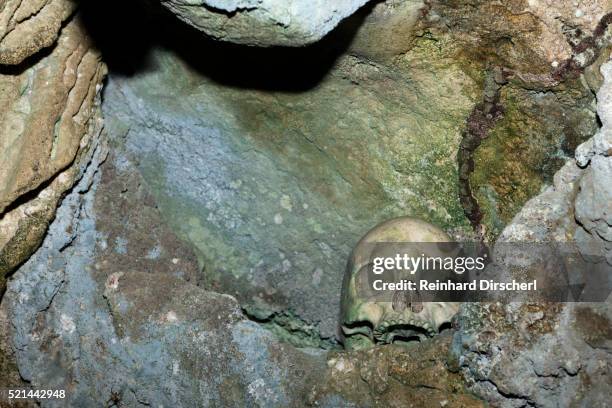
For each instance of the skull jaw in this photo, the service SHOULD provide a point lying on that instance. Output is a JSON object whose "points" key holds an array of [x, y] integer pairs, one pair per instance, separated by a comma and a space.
{"points": [[373, 320], [362, 337], [379, 323]]}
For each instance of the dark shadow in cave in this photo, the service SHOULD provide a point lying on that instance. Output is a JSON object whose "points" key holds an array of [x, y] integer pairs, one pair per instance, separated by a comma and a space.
{"points": [[126, 39]]}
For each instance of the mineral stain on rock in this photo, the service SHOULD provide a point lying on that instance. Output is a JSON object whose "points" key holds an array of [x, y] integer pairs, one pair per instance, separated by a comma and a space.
{"points": [[480, 122], [595, 327]]}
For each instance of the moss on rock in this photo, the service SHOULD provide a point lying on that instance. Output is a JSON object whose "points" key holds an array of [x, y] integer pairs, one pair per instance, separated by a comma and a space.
{"points": [[538, 132]]}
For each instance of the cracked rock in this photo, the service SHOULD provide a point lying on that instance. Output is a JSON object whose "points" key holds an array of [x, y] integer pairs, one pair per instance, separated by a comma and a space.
{"points": [[26, 27], [550, 355], [49, 115]]}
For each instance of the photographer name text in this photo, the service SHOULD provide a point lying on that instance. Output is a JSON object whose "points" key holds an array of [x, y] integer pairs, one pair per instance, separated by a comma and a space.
{"points": [[425, 285]]}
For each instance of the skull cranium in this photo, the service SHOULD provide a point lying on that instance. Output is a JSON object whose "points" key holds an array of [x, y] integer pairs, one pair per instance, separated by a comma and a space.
{"points": [[366, 320]]}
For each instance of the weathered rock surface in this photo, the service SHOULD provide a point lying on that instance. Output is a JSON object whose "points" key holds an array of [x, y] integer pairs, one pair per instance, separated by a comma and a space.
{"points": [[234, 196], [593, 203], [537, 355], [49, 113], [577, 206], [142, 335], [543, 108], [550, 355], [290, 171], [9, 374], [536, 39], [116, 317], [26, 27], [264, 23], [394, 376], [281, 183], [45, 112], [538, 132]]}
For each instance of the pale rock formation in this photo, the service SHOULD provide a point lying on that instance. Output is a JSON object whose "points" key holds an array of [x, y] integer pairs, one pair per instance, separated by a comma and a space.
{"points": [[264, 23], [551, 354], [28, 26], [49, 114]]}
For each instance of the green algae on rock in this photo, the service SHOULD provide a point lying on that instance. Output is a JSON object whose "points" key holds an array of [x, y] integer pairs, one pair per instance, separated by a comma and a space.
{"points": [[283, 181], [538, 132]]}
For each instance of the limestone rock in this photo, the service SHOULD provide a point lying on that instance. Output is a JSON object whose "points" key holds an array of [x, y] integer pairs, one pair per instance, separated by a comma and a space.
{"points": [[544, 105], [282, 183], [393, 376], [291, 169], [140, 330], [26, 27], [387, 31], [46, 110], [10, 378], [49, 114], [543, 355], [143, 331], [264, 23], [266, 179], [594, 200], [555, 20], [537, 134], [542, 37], [577, 206], [556, 354]]}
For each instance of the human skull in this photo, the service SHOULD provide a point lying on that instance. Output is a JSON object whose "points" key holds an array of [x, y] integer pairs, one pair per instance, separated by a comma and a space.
{"points": [[366, 320]]}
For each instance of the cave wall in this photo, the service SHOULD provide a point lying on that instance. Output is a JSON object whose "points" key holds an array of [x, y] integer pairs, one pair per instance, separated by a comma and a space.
{"points": [[193, 250], [288, 167], [50, 116], [282, 182]]}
